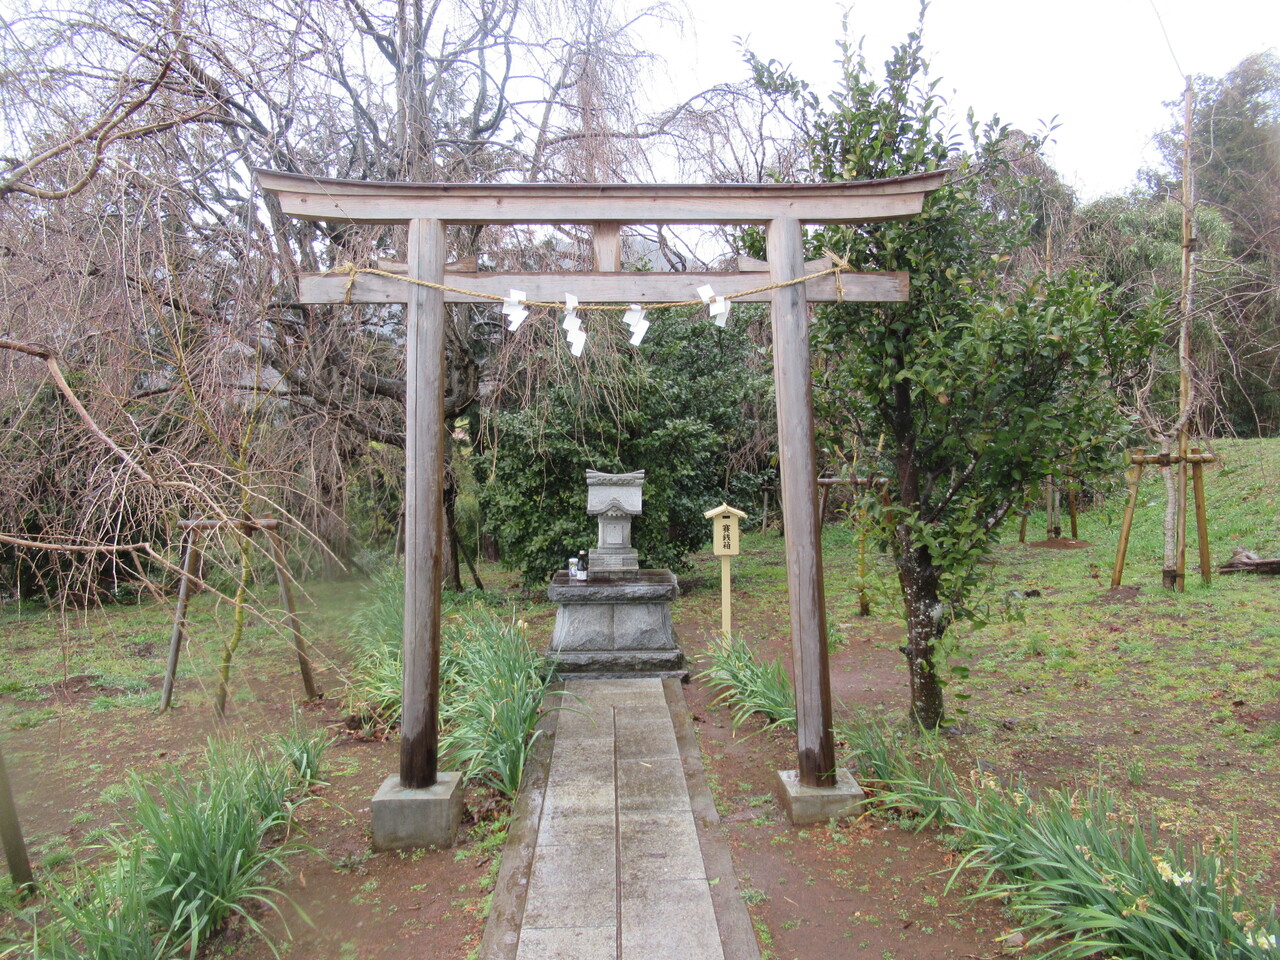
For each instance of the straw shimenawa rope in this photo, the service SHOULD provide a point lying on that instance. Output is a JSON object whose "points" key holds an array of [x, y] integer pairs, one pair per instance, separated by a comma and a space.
{"points": [[351, 272]]}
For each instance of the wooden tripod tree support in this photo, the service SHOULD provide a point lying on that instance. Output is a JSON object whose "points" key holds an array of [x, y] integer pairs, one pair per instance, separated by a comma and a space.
{"points": [[428, 284], [1052, 510], [190, 562], [1138, 459]]}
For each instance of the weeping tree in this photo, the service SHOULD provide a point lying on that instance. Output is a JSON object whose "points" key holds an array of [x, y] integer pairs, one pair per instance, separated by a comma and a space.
{"points": [[987, 378], [136, 253]]}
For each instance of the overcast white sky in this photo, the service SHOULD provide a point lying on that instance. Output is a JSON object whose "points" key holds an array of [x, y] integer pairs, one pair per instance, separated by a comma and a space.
{"points": [[1103, 67]]}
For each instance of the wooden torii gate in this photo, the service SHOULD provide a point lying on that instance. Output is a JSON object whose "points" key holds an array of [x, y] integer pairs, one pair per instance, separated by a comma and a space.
{"points": [[427, 208]]}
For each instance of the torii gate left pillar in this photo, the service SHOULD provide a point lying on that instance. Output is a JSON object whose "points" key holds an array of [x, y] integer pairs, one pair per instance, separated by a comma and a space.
{"points": [[423, 805]]}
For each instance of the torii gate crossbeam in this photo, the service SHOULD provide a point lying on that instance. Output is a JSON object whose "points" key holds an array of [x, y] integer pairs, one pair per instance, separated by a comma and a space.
{"points": [[428, 208]]}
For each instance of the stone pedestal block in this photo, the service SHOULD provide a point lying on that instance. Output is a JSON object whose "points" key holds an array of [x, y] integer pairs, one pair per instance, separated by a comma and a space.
{"points": [[818, 804], [615, 626], [426, 817]]}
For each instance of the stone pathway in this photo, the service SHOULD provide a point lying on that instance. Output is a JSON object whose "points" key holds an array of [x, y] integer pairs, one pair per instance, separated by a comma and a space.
{"points": [[617, 869]]}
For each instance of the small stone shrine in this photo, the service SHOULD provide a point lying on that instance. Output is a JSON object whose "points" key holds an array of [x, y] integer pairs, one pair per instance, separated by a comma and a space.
{"points": [[618, 621], [614, 498]]}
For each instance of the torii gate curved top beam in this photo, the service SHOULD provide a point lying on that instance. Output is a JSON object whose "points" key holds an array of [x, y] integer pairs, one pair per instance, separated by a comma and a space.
{"points": [[428, 207], [357, 201]]}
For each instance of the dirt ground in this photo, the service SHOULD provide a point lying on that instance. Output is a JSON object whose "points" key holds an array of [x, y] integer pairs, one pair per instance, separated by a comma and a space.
{"points": [[863, 888]]}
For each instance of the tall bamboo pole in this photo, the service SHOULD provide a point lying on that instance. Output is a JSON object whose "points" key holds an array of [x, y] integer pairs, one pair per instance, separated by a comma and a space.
{"points": [[1184, 341]]}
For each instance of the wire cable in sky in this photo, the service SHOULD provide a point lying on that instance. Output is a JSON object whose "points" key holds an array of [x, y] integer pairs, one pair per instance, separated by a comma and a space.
{"points": [[1167, 41]]}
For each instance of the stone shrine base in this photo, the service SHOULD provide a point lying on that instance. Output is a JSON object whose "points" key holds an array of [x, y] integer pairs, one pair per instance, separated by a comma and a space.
{"points": [[616, 627]]}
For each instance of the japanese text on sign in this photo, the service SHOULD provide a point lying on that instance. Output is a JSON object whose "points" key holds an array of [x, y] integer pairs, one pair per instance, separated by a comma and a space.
{"points": [[726, 536]]}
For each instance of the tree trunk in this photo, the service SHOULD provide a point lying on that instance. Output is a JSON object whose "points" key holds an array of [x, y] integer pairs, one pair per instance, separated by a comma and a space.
{"points": [[452, 575], [926, 622], [1169, 574], [330, 522]]}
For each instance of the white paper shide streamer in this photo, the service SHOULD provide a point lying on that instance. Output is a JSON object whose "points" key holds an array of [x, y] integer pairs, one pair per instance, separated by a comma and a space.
{"points": [[719, 306], [513, 310], [572, 324], [634, 318], [719, 310]]}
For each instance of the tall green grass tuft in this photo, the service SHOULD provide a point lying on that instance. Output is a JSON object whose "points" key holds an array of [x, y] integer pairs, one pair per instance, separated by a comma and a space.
{"points": [[750, 685], [104, 915], [193, 851], [490, 698], [377, 629], [1075, 865], [205, 854], [492, 682], [303, 749]]}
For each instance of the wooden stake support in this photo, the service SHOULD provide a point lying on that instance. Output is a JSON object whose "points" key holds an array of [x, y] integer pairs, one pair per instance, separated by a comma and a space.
{"points": [[1071, 508], [1052, 513], [1133, 473], [1202, 514], [190, 562]]}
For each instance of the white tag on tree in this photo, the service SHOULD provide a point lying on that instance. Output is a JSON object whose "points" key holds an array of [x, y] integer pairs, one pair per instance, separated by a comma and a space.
{"points": [[719, 310], [577, 340], [638, 331], [706, 293]]}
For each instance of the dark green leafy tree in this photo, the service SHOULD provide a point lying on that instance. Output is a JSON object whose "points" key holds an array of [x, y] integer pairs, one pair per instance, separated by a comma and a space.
{"points": [[680, 408], [984, 381]]}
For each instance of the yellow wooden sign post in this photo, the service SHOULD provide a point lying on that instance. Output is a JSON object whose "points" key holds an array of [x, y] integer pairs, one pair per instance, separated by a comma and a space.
{"points": [[724, 544]]}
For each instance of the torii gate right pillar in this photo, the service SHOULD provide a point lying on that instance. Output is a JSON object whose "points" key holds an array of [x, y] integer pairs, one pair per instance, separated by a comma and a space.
{"points": [[816, 791]]}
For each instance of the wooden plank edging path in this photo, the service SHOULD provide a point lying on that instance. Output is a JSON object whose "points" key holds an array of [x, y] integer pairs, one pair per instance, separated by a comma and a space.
{"points": [[615, 851]]}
